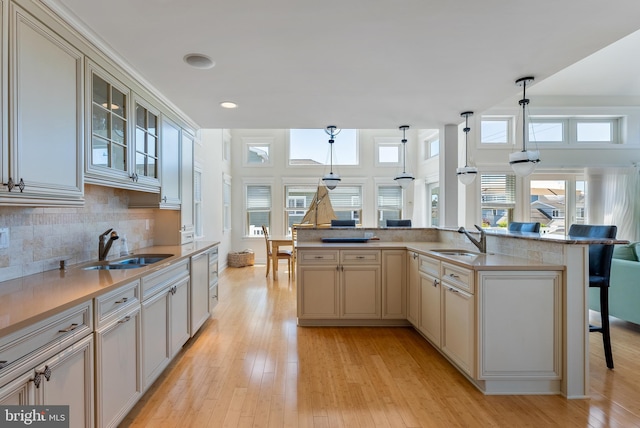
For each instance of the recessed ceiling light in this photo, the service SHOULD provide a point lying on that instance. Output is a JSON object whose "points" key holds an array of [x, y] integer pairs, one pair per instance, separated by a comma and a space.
{"points": [[228, 104], [199, 61]]}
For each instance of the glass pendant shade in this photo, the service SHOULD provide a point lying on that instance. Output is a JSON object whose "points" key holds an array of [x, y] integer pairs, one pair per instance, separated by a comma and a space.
{"points": [[467, 174], [525, 162], [331, 180], [404, 179]]}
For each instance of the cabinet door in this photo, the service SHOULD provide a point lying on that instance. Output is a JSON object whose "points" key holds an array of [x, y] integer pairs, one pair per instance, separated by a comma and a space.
{"points": [[394, 279], [47, 115], [413, 289], [458, 337], [170, 165], [430, 308], [199, 292], [18, 392], [318, 292], [186, 195], [360, 292], [179, 316], [118, 377], [155, 336], [70, 382]]}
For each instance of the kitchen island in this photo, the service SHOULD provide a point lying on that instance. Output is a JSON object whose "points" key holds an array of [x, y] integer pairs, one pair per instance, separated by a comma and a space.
{"points": [[514, 320]]}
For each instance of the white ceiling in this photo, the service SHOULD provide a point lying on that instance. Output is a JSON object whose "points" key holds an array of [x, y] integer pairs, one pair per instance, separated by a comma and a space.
{"points": [[361, 63]]}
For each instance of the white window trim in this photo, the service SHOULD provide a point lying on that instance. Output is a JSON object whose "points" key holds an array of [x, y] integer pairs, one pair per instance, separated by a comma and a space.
{"points": [[511, 122], [227, 223], [248, 142], [255, 182], [570, 131], [387, 142]]}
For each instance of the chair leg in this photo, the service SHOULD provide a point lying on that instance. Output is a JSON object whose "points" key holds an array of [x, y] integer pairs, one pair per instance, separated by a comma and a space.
{"points": [[606, 335], [268, 265]]}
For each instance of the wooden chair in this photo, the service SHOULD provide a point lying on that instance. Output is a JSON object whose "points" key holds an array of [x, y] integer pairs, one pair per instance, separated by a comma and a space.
{"points": [[282, 254], [599, 274]]}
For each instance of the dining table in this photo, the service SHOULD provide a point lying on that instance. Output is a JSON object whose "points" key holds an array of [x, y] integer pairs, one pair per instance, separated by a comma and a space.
{"points": [[276, 243]]}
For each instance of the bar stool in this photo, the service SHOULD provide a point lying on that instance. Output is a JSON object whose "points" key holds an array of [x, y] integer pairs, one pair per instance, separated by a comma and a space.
{"points": [[600, 256], [515, 226]]}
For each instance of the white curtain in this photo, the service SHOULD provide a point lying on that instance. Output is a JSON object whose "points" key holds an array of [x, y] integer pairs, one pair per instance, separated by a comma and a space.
{"points": [[620, 204]]}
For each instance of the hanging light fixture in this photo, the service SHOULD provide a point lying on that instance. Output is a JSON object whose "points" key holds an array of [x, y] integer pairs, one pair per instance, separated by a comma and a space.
{"points": [[466, 174], [524, 162], [331, 180], [404, 179]]}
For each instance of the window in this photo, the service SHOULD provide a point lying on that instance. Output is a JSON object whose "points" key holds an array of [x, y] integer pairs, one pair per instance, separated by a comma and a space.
{"points": [[257, 151], [498, 199], [548, 202], [580, 201], [389, 154], [146, 142], [547, 131], [596, 131], [311, 147], [197, 200], [226, 202], [345, 200], [495, 130], [433, 190], [389, 204], [109, 137], [258, 208], [434, 147]]}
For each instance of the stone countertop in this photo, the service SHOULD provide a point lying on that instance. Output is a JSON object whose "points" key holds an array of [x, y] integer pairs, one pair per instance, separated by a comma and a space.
{"points": [[558, 239], [32, 298], [478, 261]]}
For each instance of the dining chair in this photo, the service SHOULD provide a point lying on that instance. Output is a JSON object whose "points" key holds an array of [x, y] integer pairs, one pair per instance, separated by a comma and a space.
{"points": [[399, 223], [600, 256], [282, 254], [515, 226]]}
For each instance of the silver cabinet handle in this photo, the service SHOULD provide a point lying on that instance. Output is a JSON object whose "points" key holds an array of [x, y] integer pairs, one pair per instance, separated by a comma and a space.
{"points": [[452, 275], [68, 329], [360, 257], [435, 283], [415, 255], [123, 300], [453, 290], [124, 320]]}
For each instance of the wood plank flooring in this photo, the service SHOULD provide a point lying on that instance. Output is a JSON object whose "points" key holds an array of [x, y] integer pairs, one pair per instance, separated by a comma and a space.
{"points": [[251, 366]]}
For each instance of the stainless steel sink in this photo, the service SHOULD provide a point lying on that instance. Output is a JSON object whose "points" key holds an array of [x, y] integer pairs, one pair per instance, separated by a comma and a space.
{"points": [[134, 262], [460, 253]]}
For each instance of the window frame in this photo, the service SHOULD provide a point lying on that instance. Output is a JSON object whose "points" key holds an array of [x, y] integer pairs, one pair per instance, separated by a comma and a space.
{"points": [[227, 197], [268, 210], [326, 162], [571, 123], [510, 137], [249, 142], [380, 209], [388, 142], [508, 205]]}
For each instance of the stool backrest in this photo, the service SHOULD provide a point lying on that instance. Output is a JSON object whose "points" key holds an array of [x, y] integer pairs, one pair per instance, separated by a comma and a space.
{"points": [[343, 223], [399, 223], [600, 255], [515, 226]]}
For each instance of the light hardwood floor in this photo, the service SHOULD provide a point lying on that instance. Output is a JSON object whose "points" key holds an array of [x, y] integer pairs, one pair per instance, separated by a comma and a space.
{"points": [[250, 365]]}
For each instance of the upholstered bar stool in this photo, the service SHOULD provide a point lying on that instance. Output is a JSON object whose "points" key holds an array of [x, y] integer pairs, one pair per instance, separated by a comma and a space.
{"points": [[515, 226], [599, 274]]}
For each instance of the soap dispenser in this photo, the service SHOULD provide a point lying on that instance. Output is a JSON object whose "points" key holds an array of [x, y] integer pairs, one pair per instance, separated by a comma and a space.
{"points": [[124, 248]]}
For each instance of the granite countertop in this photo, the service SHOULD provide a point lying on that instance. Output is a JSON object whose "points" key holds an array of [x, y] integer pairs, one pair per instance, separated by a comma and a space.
{"points": [[478, 261], [32, 298]]}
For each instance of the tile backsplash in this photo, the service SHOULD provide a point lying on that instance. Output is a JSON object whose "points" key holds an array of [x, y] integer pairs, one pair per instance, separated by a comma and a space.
{"points": [[40, 237]]}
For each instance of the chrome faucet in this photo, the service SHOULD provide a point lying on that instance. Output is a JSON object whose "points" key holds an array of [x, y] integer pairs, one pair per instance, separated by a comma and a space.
{"points": [[104, 247], [482, 243]]}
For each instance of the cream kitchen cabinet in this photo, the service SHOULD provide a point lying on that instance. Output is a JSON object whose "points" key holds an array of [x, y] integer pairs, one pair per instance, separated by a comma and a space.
{"points": [[51, 363], [199, 295], [413, 288], [394, 284], [118, 354], [430, 300], [360, 284], [213, 278], [165, 318], [318, 284], [42, 144]]}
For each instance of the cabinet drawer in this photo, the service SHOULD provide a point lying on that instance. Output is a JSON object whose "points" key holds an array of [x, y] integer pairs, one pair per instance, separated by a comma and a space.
{"points": [[53, 333], [369, 257], [458, 277], [110, 305], [429, 265], [318, 257], [157, 280]]}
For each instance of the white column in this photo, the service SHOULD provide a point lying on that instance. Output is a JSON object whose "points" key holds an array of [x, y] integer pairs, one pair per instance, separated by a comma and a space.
{"points": [[448, 177]]}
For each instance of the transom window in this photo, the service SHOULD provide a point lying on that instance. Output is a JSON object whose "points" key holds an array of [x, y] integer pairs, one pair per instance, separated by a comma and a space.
{"points": [[495, 130], [311, 147], [574, 130]]}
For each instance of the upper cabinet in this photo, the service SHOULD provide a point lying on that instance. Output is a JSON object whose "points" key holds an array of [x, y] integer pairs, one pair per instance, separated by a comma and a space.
{"points": [[43, 119], [113, 158]]}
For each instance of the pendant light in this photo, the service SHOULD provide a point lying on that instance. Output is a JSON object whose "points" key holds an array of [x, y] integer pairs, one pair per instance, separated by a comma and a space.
{"points": [[466, 174], [331, 180], [524, 162], [404, 179]]}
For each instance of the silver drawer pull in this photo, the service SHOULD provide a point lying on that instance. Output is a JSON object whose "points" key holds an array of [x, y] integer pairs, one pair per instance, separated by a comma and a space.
{"points": [[3, 364], [453, 275], [318, 257], [453, 290], [68, 329], [123, 300], [360, 257], [124, 320]]}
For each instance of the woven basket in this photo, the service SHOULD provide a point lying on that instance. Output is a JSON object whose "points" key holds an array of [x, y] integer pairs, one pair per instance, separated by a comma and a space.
{"points": [[241, 258]]}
